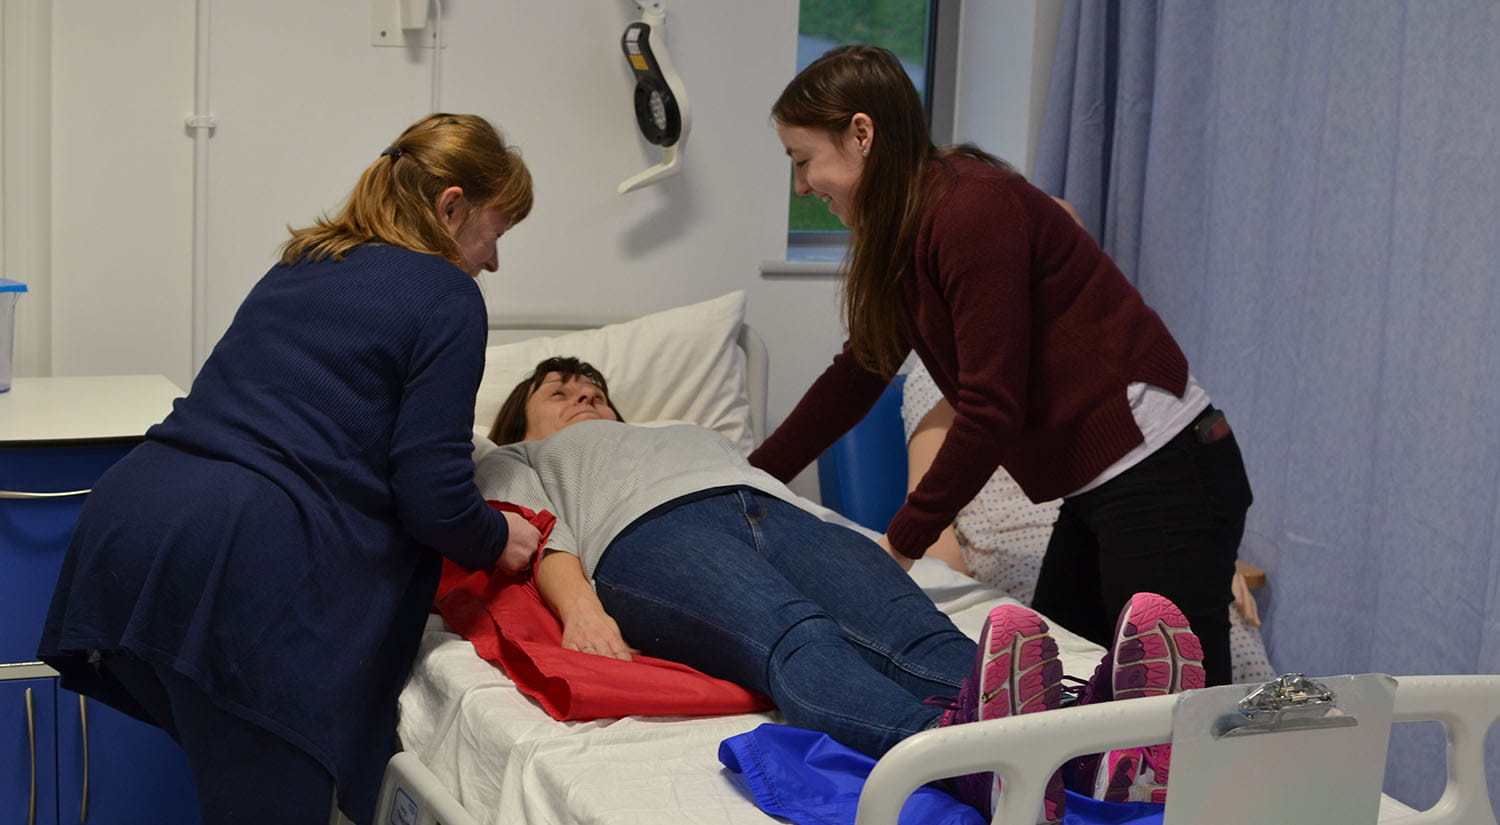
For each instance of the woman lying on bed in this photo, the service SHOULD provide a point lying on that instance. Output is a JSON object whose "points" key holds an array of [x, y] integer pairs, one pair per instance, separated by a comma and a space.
{"points": [[668, 541]]}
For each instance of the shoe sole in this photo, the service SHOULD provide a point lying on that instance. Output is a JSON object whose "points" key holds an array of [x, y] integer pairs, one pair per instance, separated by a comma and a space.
{"points": [[1135, 775], [1020, 673], [1155, 653]]}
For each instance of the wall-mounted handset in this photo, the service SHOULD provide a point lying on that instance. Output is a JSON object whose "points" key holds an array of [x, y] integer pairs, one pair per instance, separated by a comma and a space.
{"points": [[661, 107]]}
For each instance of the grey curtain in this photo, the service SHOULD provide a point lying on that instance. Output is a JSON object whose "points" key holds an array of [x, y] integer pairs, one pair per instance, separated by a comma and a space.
{"points": [[1308, 191]]}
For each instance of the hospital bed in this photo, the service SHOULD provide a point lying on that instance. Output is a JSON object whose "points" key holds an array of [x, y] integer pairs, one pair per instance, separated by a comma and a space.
{"points": [[477, 751]]}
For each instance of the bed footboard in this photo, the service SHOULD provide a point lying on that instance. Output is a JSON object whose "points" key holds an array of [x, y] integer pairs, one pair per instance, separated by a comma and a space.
{"points": [[1025, 750]]}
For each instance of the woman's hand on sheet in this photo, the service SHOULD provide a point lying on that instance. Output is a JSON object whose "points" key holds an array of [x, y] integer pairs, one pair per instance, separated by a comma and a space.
{"points": [[520, 547], [589, 631], [1244, 600]]}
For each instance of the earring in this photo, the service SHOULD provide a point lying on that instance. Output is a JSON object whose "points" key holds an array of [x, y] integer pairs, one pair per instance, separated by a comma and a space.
{"points": [[865, 151]]}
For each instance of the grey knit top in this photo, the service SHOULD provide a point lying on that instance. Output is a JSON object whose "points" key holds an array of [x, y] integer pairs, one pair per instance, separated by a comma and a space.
{"points": [[598, 477]]}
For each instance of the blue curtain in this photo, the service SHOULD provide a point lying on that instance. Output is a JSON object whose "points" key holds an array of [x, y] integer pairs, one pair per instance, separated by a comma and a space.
{"points": [[1308, 191]]}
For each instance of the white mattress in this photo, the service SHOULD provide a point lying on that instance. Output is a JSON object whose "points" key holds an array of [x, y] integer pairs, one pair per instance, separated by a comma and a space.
{"points": [[506, 761]]}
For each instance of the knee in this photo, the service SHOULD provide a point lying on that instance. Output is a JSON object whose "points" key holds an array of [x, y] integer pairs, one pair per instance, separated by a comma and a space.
{"points": [[807, 639]]}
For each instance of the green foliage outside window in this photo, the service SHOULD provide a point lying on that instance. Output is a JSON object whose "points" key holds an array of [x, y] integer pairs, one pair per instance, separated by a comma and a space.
{"points": [[898, 25]]}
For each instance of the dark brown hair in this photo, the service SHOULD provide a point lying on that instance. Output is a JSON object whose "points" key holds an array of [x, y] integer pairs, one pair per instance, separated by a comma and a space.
{"points": [[510, 423], [888, 201], [395, 200]]}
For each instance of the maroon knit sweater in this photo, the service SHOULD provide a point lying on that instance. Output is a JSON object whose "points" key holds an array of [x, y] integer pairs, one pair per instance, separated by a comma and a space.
{"points": [[1032, 334]]}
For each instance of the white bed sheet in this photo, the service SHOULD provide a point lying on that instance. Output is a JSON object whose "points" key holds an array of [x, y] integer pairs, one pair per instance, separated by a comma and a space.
{"points": [[506, 761]]}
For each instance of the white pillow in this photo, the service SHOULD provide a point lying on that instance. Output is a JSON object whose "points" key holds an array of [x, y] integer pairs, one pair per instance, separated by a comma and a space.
{"points": [[680, 364]]}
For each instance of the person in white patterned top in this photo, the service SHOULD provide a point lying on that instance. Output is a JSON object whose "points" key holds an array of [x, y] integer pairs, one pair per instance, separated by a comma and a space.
{"points": [[1000, 537]]}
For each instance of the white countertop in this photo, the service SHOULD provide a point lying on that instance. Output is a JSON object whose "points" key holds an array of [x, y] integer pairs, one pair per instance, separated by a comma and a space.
{"points": [[84, 408]]}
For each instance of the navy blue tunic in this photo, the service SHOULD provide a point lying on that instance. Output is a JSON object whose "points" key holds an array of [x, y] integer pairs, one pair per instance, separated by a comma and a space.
{"points": [[276, 539]]}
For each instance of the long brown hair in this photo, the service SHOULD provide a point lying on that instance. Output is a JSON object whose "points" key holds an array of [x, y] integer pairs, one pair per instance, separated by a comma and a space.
{"points": [[510, 422], [888, 201], [395, 200]]}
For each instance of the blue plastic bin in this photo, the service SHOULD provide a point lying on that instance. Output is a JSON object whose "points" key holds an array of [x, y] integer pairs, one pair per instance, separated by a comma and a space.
{"points": [[9, 292]]}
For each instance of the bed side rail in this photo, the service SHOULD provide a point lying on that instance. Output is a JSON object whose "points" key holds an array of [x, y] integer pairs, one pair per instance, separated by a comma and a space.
{"points": [[1025, 750]]}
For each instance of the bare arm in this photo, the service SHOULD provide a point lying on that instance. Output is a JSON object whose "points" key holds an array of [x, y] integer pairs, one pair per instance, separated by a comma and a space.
{"points": [[586, 627], [920, 450]]}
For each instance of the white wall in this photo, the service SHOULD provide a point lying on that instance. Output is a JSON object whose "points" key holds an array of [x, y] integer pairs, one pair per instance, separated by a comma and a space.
{"points": [[25, 215], [1005, 59], [121, 187], [303, 102]]}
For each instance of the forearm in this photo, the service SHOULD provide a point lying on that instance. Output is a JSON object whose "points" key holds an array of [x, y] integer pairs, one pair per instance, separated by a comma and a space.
{"points": [[586, 626], [920, 451], [947, 549], [836, 401], [958, 472], [560, 580]]}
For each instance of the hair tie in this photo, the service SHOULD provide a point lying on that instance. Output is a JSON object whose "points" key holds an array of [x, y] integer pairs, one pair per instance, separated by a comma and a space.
{"points": [[393, 151]]}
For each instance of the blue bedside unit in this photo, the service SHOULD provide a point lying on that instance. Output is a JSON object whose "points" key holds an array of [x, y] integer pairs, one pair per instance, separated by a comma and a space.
{"points": [[65, 758], [863, 474]]}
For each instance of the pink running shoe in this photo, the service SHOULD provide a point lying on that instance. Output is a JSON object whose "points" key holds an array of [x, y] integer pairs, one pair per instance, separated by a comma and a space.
{"points": [[1154, 653], [1016, 670]]}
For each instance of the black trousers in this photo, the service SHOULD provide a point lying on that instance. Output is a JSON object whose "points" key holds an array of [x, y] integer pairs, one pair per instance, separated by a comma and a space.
{"points": [[1171, 525], [244, 774]]}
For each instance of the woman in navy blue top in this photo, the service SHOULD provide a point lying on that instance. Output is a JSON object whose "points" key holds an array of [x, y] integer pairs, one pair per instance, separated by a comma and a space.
{"points": [[254, 577]]}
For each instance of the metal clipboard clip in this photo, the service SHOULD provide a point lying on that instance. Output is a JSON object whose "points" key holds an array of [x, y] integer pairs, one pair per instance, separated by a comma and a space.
{"points": [[1291, 701]]}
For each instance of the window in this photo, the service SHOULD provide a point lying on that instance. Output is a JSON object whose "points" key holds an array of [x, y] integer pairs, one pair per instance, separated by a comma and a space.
{"points": [[921, 36]]}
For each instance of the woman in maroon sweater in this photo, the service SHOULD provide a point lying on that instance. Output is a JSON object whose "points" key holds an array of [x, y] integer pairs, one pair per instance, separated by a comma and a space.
{"points": [[1054, 365]]}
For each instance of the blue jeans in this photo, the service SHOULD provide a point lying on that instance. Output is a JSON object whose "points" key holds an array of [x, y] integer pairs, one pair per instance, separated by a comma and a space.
{"points": [[746, 587], [1170, 525]]}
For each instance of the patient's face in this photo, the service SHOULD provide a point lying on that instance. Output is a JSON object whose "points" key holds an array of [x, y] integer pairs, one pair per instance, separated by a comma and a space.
{"points": [[555, 404]]}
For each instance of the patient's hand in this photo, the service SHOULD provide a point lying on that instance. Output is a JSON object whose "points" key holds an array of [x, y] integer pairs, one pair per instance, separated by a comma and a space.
{"points": [[586, 627], [595, 632], [520, 547]]}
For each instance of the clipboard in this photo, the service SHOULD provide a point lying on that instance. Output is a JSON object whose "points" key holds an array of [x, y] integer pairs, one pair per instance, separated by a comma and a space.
{"points": [[1303, 750]]}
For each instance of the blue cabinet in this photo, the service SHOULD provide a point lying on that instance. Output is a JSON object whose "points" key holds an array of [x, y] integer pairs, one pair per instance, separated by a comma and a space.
{"points": [[34, 531], [65, 758], [113, 769], [28, 753]]}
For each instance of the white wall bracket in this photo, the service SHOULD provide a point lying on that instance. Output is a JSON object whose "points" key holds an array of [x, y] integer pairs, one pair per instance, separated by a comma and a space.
{"points": [[671, 164], [202, 122], [653, 47], [406, 23]]}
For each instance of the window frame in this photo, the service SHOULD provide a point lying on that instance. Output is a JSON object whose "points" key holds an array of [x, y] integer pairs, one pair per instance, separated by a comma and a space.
{"points": [[941, 83]]}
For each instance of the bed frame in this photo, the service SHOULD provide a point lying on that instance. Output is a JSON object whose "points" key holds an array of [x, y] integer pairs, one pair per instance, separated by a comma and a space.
{"points": [[1025, 750]]}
